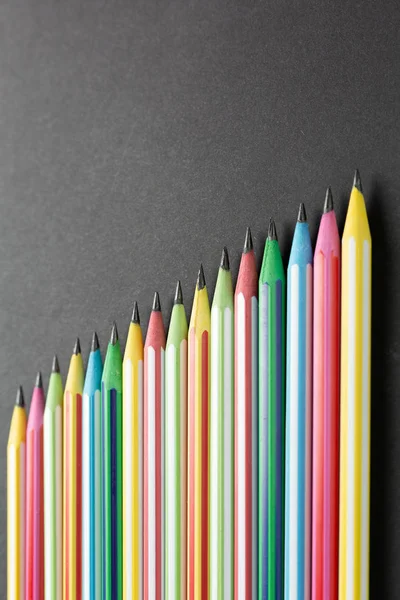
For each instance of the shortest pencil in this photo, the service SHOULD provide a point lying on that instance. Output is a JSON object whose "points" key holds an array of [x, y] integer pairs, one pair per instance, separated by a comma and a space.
{"points": [[16, 475], [52, 451]]}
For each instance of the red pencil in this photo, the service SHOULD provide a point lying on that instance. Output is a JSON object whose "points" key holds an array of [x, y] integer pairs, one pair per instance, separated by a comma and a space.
{"points": [[325, 494], [245, 524], [34, 496], [153, 454]]}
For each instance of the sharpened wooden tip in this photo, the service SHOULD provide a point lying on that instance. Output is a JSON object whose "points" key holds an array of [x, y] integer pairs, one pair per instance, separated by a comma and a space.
{"points": [[135, 314], [302, 215], [156, 302], [20, 400], [224, 264], [201, 280], [178, 294], [114, 334]]}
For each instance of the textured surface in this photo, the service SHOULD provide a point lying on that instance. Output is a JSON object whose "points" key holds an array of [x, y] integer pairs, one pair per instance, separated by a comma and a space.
{"points": [[137, 138]]}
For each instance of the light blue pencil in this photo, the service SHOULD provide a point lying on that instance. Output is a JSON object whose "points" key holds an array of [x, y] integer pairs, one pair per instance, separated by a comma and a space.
{"points": [[91, 475], [298, 414]]}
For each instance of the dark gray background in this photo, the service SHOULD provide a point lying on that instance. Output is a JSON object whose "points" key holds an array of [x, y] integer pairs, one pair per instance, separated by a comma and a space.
{"points": [[136, 138]]}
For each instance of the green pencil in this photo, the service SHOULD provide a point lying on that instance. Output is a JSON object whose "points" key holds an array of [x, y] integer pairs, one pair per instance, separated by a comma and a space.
{"points": [[111, 398], [221, 437], [271, 419], [53, 485], [175, 451]]}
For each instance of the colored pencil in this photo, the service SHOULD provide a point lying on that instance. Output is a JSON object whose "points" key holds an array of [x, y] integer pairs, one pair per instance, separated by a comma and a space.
{"points": [[16, 485], [271, 445], [72, 487], [355, 401], [246, 415], [221, 437], [53, 484], [153, 456], [198, 425], [132, 479], [91, 475], [175, 451], [34, 495], [325, 457], [111, 442], [298, 415]]}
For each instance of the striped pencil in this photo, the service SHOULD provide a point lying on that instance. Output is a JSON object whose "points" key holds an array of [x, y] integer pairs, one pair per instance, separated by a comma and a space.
{"points": [[355, 401], [153, 456], [91, 475], [246, 401], [132, 480], [325, 457], [34, 495], [16, 480], [53, 489], [298, 415], [221, 437], [175, 451], [271, 446], [72, 486], [198, 399], [111, 442]]}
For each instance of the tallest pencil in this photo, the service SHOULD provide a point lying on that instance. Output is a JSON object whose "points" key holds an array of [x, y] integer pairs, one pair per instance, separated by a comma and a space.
{"points": [[355, 401]]}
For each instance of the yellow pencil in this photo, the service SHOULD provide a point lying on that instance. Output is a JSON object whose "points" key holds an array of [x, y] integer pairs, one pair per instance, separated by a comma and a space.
{"points": [[16, 474], [132, 480], [355, 401], [72, 505], [198, 425]]}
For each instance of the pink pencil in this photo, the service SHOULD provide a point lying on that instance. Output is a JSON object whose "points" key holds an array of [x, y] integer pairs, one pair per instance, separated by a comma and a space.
{"points": [[34, 496], [325, 462], [245, 520]]}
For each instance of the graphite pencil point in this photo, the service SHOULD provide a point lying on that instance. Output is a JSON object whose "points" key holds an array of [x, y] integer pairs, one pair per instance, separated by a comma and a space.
{"points": [[114, 334], [328, 205], [77, 347], [302, 215], [55, 367], [156, 302], [272, 235], [201, 281], [20, 400], [248, 242], [135, 314], [225, 259], [38, 380], [178, 294], [357, 181], [95, 343]]}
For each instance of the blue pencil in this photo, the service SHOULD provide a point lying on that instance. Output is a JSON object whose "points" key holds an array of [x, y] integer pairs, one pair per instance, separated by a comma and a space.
{"points": [[298, 414], [91, 475]]}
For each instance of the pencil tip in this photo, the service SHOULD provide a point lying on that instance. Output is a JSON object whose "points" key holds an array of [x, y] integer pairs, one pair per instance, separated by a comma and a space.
{"points": [[272, 235], [357, 181], [135, 314], [302, 216], [225, 259], [178, 294], [55, 367], [20, 400], [77, 347], [114, 334], [201, 280], [328, 205], [156, 302], [38, 380], [95, 343], [248, 242]]}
